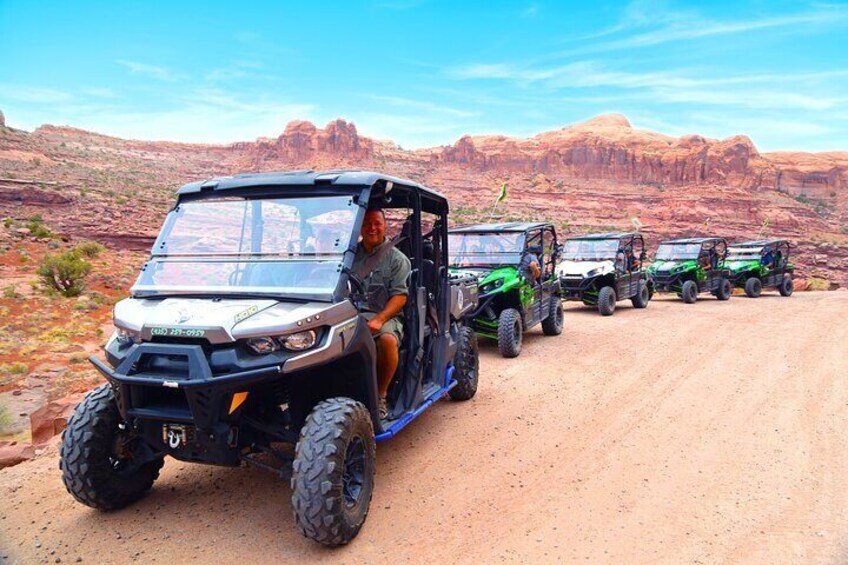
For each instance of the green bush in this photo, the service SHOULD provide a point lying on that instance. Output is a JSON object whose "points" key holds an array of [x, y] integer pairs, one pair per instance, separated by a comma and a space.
{"points": [[14, 369], [64, 273], [37, 228], [89, 249], [11, 292], [818, 284]]}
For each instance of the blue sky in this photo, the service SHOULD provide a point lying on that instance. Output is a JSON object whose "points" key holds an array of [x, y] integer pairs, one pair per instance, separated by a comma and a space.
{"points": [[423, 73]]}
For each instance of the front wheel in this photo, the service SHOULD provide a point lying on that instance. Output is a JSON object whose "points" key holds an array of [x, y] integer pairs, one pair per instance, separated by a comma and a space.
{"points": [[724, 290], [466, 366], [642, 297], [689, 292], [552, 325], [606, 301], [753, 287], [510, 333], [103, 465], [786, 286], [333, 471]]}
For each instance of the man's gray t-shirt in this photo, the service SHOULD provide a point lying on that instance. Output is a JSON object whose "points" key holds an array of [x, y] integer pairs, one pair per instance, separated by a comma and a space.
{"points": [[524, 266], [386, 279]]}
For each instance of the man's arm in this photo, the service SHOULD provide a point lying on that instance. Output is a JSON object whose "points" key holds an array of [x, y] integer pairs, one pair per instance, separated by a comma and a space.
{"points": [[537, 272], [393, 306]]}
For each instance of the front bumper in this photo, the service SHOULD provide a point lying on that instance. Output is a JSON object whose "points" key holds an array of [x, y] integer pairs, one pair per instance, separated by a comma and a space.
{"points": [[575, 287], [193, 398], [665, 282]]}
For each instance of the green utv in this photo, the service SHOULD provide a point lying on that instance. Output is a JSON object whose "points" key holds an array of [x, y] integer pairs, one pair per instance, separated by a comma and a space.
{"points": [[599, 269], [691, 266], [755, 265], [511, 301]]}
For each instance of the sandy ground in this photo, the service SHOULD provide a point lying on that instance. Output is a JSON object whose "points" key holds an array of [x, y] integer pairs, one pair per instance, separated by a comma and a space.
{"points": [[710, 433]]}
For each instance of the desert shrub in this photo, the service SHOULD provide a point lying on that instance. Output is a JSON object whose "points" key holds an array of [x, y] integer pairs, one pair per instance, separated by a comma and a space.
{"points": [[11, 292], [7, 222], [64, 273], [5, 420], [818, 284], [13, 369], [89, 249], [37, 228]]}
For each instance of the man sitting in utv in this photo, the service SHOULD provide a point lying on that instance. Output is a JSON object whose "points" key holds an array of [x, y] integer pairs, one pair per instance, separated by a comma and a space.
{"points": [[384, 270], [529, 265]]}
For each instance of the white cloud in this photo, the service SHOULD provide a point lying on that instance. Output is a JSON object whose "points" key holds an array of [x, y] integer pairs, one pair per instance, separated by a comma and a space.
{"points": [[33, 94], [530, 11], [427, 107], [650, 25], [151, 71]]}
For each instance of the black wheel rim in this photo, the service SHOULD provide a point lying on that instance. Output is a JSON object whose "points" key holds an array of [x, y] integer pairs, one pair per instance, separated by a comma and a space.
{"points": [[353, 478]]}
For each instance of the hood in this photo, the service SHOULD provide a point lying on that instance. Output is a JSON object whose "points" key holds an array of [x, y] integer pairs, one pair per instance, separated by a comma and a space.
{"points": [[478, 272], [581, 268], [666, 266], [223, 320], [736, 266]]}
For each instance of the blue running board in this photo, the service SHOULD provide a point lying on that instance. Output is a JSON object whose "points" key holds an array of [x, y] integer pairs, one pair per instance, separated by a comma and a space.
{"points": [[401, 422]]}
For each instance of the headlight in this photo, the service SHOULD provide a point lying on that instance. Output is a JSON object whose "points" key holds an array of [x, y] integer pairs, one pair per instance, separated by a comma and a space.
{"points": [[489, 287], [299, 341], [124, 336], [594, 272], [263, 345]]}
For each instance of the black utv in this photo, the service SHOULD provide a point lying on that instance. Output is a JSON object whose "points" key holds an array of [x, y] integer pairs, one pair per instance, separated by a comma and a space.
{"points": [[599, 269], [755, 265], [242, 343]]}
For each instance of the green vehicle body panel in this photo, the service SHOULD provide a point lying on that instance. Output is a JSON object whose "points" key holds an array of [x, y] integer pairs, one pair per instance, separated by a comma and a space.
{"points": [[688, 269], [509, 281], [741, 271]]}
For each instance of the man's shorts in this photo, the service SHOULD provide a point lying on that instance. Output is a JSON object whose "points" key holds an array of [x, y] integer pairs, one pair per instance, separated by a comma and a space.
{"points": [[394, 326]]}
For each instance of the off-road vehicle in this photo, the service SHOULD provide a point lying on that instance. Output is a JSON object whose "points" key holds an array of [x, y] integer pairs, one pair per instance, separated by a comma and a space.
{"points": [[599, 269], [242, 343], [755, 265], [691, 266], [510, 301]]}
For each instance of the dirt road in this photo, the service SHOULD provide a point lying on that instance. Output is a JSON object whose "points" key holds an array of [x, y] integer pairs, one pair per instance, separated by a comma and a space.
{"points": [[716, 432]]}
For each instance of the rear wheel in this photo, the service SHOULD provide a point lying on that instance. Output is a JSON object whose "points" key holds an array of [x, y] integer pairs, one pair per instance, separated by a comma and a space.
{"points": [[606, 301], [104, 466], [642, 297], [724, 290], [466, 366], [552, 325], [753, 287], [510, 332], [333, 471], [786, 286], [689, 292]]}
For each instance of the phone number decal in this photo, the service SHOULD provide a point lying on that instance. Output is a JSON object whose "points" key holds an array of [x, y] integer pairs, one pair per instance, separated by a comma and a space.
{"points": [[177, 332]]}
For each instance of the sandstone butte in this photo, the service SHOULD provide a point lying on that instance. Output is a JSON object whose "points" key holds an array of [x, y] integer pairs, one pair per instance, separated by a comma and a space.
{"points": [[601, 174]]}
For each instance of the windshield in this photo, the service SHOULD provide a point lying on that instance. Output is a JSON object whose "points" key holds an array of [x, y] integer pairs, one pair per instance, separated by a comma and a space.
{"points": [[590, 249], [275, 246], [485, 249], [678, 251], [743, 254]]}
